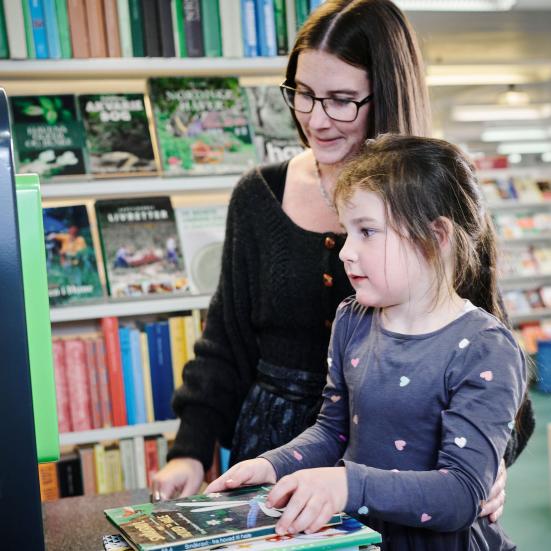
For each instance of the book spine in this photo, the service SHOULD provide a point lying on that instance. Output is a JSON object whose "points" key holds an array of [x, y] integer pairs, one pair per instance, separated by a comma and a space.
{"points": [[39, 29], [128, 463], [178, 27], [165, 375], [151, 458], [127, 374], [178, 348], [63, 28], [69, 473], [166, 29], [193, 28], [146, 373], [95, 20], [103, 383], [291, 18], [230, 28], [99, 467], [52, 29], [265, 28], [139, 454], [136, 27], [162, 451], [314, 4], [302, 9], [77, 380], [125, 30], [210, 20], [190, 336], [112, 28], [4, 48], [15, 27], [49, 482], [93, 383], [152, 36], [61, 387], [86, 454], [282, 43], [29, 39], [137, 373], [110, 328], [80, 41], [113, 469], [248, 23]]}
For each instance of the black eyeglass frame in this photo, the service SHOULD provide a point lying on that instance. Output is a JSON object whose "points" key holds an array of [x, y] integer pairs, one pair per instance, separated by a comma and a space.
{"points": [[358, 104]]}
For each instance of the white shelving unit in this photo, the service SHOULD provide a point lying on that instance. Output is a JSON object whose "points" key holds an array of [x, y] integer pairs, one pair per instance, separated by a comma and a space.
{"points": [[115, 433], [511, 206]]}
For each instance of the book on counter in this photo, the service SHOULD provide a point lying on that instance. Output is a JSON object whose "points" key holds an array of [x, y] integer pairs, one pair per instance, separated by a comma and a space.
{"points": [[117, 134], [48, 135], [199, 522], [202, 125], [140, 248], [70, 256]]}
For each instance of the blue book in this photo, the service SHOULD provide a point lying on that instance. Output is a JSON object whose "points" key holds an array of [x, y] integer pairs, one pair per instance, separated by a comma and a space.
{"points": [[160, 365], [52, 29], [137, 369], [248, 22], [39, 29], [128, 374], [265, 28], [224, 459], [315, 3]]}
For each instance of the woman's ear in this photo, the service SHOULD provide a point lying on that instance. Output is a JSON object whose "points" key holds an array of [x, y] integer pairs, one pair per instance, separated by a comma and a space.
{"points": [[443, 231]]}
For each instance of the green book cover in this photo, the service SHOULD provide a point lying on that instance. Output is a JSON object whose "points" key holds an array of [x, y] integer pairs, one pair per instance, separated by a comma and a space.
{"points": [[125, 30], [202, 125], [302, 10], [4, 48], [136, 27], [70, 257], [63, 29], [117, 134], [280, 17], [140, 248], [210, 19], [48, 135], [179, 28], [29, 38], [199, 521]]}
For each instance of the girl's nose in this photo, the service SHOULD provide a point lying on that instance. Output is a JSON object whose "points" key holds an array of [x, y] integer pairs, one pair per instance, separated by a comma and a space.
{"points": [[347, 253]]}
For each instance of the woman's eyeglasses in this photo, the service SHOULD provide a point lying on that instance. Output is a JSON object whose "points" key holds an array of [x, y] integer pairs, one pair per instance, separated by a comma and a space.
{"points": [[341, 110]]}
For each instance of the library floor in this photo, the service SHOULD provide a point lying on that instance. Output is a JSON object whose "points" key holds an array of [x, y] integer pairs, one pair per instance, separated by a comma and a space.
{"points": [[527, 516]]}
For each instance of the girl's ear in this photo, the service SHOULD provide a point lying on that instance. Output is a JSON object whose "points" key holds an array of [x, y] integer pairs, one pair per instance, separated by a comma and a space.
{"points": [[443, 231]]}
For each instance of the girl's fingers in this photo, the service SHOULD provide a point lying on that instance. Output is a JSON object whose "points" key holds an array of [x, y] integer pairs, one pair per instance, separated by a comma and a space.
{"points": [[294, 508], [321, 520], [281, 493], [310, 511]]}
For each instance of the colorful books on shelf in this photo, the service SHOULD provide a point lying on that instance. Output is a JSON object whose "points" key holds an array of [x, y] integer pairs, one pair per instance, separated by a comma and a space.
{"points": [[202, 125], [117, 134], [200, 521], [140, 249], [524, 189], [275, 133], [70, 256], [48, 135]]}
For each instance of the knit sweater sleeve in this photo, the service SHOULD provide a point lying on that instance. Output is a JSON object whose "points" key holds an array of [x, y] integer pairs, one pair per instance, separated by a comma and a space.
{"points": [[216, 381]]}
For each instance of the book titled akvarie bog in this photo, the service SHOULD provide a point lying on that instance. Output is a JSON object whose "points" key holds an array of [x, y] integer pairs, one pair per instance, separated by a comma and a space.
{"points": [[199, 522], [202, 125], [140, 248], [117, 134]]}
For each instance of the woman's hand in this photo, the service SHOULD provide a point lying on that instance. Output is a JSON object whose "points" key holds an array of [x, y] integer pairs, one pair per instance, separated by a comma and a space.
{"points": [[493, 506], [180, 477], [252, 471], [310, 497]]}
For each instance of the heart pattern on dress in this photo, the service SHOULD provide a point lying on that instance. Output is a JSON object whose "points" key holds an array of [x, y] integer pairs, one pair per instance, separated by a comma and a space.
{"points": [[404, 381], [297, 455], [355, 362], [355, 419], [335, 398], [460, 441], [425, 517], [363, 510], [400, 444], [463, 343], [487, 376]]}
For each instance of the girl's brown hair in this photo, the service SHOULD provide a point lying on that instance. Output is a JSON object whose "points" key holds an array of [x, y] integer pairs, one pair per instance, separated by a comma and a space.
{"points": [[373, 35], [421, 180]]}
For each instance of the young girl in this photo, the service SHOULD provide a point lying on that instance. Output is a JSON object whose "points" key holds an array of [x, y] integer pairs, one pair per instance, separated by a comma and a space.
{"points": [[423, 387]]}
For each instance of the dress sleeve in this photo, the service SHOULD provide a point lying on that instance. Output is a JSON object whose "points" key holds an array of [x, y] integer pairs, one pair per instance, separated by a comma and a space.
{"points": [[216, 381], [323, 443], [486, 382]]}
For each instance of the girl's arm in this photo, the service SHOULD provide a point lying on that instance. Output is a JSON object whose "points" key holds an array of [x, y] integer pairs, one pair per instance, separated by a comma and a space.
{"points": [[485, 389]]}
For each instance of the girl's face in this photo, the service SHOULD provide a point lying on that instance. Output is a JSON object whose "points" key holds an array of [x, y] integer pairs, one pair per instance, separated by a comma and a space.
{"points": [[324, 75], [384, 268]]}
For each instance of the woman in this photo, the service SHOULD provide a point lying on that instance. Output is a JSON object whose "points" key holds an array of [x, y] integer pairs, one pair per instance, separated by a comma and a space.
{"points": [[355, 71]]}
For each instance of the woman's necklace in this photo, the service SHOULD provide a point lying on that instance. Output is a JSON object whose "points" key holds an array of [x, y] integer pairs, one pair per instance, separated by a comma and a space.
{"points": [[328, 201]]}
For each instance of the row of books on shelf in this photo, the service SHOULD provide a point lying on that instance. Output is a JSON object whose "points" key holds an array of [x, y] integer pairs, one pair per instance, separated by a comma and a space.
{"points": [[147, 248], [526, 260], [526, 301], [515, 188], [183, 126], [518, 225], [55, 29], [530, 334], [124, 375]]}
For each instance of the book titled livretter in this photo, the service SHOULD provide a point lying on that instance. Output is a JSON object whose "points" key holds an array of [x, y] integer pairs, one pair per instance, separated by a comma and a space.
{"points": [[199, 522]]}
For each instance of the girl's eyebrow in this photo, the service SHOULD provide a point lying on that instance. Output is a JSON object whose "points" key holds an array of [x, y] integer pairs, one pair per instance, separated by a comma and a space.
{"points": [[364, 219], [339, 91]]}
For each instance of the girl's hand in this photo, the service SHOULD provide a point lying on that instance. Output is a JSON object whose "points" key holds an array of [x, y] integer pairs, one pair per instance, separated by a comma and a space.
{"points": [[252, 471], [310, 498], [180, 477], [493, 507]]}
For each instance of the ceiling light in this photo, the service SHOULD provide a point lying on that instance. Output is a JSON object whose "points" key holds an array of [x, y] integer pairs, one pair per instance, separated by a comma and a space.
{"points": [[513, 97], [456, 5], [455, 76], [471, 113], [514, 134], [523, 147], [514, 158], [546, 157]]}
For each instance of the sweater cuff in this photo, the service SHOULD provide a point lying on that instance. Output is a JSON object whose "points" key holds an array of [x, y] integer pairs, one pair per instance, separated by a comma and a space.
{"points": [[196, 436], [355, 483]]}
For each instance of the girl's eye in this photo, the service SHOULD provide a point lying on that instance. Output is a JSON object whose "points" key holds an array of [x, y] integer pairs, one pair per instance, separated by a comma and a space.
{"points": [[368, 232]]}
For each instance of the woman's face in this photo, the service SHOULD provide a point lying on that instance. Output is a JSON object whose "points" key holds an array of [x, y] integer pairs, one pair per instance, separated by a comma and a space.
{"points": [[324, 75]]}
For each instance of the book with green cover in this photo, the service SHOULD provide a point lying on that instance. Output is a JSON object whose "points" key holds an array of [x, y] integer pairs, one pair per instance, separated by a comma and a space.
{"points": [[4, 48], [202, 125], [210, 19], [63, 29], [117, 134], [200, 521], [48, 135]]}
